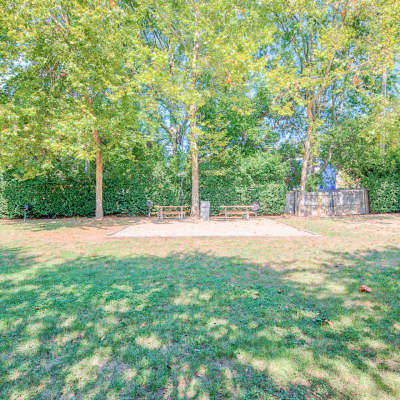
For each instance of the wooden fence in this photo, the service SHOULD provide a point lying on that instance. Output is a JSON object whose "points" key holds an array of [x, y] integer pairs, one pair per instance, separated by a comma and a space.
{"points": [[330, 202]]}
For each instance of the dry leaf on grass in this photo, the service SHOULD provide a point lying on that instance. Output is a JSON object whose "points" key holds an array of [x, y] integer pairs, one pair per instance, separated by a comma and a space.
{"points": [[365, 289]]}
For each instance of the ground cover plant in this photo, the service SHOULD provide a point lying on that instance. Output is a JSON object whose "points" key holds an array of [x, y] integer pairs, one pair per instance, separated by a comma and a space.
{"points": [[85, 317]]}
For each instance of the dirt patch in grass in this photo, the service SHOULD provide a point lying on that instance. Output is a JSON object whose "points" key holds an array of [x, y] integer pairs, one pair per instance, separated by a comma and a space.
{"points": [[255, 227], [66, 230]]}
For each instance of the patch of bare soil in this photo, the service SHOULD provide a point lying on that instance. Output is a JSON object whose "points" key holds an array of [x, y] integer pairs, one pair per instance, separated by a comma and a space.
{"points": [[67, 229], [255, 227]]}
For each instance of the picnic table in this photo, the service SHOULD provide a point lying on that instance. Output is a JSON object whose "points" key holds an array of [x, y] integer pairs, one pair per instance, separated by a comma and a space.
{"points": [[177, 211], [237, 210]]}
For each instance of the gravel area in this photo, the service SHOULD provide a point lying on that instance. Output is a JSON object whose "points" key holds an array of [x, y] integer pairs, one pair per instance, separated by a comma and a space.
{"points": [[255, 227]]}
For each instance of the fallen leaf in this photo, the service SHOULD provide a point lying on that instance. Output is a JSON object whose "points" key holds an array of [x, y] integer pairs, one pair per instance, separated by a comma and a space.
{"points": [[330, 323], [364, 288]]}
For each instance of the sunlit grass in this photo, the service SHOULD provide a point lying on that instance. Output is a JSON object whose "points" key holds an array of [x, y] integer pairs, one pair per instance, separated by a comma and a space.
{"points": [[201, 319]]}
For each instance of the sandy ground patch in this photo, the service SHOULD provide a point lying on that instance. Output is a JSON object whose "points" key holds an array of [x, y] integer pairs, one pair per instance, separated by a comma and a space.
{"points": [[88, 230], [256, 227]]}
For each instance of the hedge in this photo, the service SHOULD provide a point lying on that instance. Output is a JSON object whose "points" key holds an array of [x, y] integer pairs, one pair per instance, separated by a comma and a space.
{"points": [[128, 186], [384, 193]]}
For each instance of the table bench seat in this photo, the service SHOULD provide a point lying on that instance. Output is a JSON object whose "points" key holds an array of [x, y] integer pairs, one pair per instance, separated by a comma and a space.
{"points": [[174, 212], [165, 211], [238, 210]]}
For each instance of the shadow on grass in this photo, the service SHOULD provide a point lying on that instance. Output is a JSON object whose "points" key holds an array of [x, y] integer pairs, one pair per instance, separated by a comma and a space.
{"points": [[46, 224], [376, 219], [192, 326]]}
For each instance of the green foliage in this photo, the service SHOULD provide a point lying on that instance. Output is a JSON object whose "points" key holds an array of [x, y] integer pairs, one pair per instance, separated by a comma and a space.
{"points": [[257, 178], [273, 198], [384, 192], [325, 56], [369, 154], [72, 79], [65, 194], [50, 196], [127, 186]]}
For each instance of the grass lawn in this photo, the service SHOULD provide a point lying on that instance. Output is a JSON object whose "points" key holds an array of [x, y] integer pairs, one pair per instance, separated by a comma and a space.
{"points": [[83, 317]]}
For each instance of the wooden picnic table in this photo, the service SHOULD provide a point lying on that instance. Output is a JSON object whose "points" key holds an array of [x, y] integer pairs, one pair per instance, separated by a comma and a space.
{"points": [[164, 211], [237, 210]]}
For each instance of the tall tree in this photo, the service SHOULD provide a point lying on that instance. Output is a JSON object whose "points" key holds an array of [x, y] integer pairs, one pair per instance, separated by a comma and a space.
{"points": [[203, 49], [70, 84], [322, 50]]}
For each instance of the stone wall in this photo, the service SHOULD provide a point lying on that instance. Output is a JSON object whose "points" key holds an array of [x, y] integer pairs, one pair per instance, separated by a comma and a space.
{"points": [[330, 202]]}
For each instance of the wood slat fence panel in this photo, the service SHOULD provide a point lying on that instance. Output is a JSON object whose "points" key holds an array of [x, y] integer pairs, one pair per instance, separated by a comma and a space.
{"points": [[330, 202]]}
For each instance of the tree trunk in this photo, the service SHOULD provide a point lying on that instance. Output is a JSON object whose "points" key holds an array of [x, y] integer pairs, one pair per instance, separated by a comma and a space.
{"points": [[195, 163], [384, 93], [193, 137], [99, 177], [306, 158]]}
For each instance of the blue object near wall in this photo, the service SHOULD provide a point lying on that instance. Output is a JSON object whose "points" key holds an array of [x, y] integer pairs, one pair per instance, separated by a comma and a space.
{"points": [[328, 178]]}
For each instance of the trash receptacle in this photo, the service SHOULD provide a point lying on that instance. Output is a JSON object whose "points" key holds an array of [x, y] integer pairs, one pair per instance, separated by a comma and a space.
{"points": [[205, 210]]}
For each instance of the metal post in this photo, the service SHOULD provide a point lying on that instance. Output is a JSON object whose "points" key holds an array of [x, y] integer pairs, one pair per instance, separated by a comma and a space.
{"points": [[24, 215], [181, 191]]}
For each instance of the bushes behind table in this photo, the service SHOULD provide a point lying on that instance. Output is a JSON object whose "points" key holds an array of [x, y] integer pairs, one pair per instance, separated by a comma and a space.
{"points": [[257, 178], [127, 186], [49, 196], [66, 193]]}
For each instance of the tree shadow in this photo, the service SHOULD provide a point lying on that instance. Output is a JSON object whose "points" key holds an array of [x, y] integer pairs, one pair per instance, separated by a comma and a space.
{"points": [[376, 219], [187, 326], [37, 225]]}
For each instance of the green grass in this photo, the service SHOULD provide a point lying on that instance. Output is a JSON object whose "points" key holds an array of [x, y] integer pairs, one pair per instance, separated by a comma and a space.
{"points": [[200, 319]]}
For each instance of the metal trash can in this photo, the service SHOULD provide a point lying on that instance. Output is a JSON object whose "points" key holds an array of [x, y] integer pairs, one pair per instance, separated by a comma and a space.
{"points": [[205, 210]]}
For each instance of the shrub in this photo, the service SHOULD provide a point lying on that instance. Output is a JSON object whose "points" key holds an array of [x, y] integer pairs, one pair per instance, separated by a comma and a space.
{"points": [[257, 178], [384, 193], [48, 196], [127, 186]]}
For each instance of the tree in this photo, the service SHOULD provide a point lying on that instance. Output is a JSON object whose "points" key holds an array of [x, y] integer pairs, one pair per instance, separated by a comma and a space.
{"points": [[201, 50], [69, 93], [322, 51]]}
